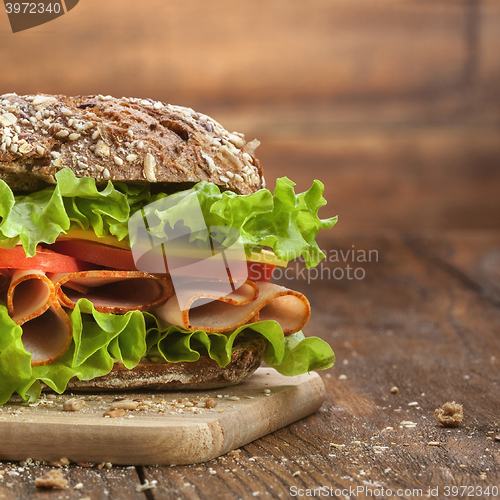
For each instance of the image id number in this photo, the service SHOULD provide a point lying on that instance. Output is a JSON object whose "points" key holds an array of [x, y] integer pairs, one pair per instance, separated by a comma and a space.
{"points": [[470, 491], [32, 8]]}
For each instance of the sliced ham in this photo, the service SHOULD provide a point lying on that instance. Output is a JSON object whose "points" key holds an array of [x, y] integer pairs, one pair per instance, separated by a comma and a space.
{"points": [[29, 295], [114, 292], [32, 303], [48, 336], [211, 313]]}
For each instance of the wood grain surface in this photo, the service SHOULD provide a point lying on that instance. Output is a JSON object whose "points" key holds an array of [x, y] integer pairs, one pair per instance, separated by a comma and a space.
{"points": [[413, 322], [395, 106], [162, 431]]}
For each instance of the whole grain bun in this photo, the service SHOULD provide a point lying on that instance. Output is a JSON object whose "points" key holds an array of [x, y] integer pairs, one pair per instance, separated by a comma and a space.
{"points": [[127, 139], [246, 357]]}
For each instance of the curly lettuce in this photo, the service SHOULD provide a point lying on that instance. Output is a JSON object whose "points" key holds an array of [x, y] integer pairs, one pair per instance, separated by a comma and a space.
{"points": [[286, 222], [101, 338]]}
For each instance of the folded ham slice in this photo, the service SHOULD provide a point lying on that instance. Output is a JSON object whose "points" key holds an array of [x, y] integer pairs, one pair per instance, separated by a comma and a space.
{"points": [[114, 292], [211, 313], [48, 336], [32, 303], [29, 295]]}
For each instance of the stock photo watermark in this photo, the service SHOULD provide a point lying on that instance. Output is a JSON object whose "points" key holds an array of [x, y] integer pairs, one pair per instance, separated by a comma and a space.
{"points": [[384, 492], [337, 265], [26, 15]]}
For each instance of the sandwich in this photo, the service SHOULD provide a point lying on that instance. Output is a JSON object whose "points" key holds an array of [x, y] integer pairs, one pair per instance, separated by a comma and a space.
{"points": [[137, 246]]}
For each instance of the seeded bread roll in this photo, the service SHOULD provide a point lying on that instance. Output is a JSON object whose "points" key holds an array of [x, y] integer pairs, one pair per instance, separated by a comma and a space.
{"points": [[127, 139], [246, 357]]}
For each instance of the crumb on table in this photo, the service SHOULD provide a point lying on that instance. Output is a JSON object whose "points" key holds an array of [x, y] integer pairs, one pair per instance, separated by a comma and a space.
{"points": [[450, 414]]}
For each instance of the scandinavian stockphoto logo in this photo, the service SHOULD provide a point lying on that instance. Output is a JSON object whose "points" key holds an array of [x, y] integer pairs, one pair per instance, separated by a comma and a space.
{"points": [[26, 15], [171, 236]]}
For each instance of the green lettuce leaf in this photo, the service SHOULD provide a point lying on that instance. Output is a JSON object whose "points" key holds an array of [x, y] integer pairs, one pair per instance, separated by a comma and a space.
{"points": [[101, 338], [15, 362], [285, 222]]}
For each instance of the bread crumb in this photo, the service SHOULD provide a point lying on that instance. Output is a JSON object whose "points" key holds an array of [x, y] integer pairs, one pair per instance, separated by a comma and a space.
{"points": [[394, 390], [234, 454], [450, 414], [119, 412], [210, 403], [147, 485], [53, 479], [73, 404]]}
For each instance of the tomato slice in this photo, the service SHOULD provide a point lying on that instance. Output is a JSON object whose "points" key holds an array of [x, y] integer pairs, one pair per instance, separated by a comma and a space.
{"points": [[44, 260], [258, 271], [118, 258], [97, 253]]}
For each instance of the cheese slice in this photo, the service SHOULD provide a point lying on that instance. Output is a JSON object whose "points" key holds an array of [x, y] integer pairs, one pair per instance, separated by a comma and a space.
{"points": [[89, 235]]}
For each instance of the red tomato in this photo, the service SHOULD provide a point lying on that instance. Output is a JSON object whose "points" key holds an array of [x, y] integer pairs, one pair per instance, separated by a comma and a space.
{"points": [[118, 258], [44, 260], [97, 253], [258, 271]]}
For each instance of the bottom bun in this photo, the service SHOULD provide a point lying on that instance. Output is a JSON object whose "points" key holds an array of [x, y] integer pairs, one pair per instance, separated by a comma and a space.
{"points": [[247, 355]]}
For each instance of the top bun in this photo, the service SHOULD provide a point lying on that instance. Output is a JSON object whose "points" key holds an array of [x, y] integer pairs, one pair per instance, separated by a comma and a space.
{"points": [[127, 139]]}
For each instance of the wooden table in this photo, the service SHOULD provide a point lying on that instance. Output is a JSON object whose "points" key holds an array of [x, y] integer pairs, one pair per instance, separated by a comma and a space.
{"points": [[425, 319]]}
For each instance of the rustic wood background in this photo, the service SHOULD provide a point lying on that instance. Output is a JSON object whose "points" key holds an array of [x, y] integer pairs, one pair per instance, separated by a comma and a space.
{"points": [[395, 105], [399, 101]]}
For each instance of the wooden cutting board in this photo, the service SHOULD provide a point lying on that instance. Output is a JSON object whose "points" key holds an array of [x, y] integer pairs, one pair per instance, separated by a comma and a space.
{"points": [[166, 428]]}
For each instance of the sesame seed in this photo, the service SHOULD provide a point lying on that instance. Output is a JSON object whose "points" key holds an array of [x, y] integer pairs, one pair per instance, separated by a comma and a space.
{"points": [[210, 163], [118, 161], [224, 179], [145, 103], [131, 158], [38, 116], [149, 167], [106, 174], [17, 128], [41, 99], [106, 97], [62, 133], [140, 145], [74, 137], [8, 119], [82, 165], [95, 135], [3, 147], [13, 148], [158, 105], [40, 150], [8, 141], [25, 148], [70, 122], [238, 177], [66, 112], [236, 141], [229, 174], [130, 134]]}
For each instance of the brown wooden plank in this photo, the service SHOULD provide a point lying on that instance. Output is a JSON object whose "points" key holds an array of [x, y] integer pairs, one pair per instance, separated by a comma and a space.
{"points": [[159, 432], [116, 482], [411, 180], [474, 256], [409, 324], [252, 50]]}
